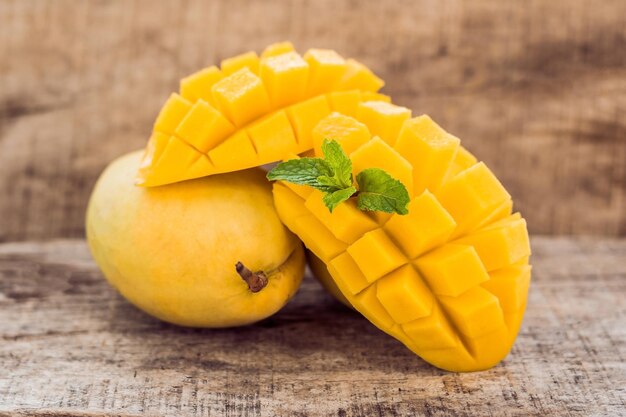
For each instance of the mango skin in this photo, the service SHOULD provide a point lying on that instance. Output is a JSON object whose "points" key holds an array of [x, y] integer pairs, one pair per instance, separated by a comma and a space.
{"points": [[171, 250]]}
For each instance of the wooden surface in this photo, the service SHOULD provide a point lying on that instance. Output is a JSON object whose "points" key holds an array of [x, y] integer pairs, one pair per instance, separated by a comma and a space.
{"points": [[69, 345], [537, 89]]}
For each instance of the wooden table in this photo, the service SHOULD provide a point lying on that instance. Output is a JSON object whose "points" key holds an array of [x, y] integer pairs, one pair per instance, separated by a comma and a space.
{"points": [[69, 345]]}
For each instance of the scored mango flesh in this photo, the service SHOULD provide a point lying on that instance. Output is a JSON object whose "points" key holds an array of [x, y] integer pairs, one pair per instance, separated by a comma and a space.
{"points": [[450, 278], [252, 111]]}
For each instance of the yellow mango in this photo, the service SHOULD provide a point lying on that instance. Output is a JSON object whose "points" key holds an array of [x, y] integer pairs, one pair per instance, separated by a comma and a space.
{"points": [[197, 86], [426, 226], [172, 251], [272, 136], [383, 119], [345, 102], [375, 153], [252, 95], [248, 60], [327, 67], [203, 127], [449, 279], [346, 222], [305, 116], [350, 133], [376, 255], [404, 295], [472, 195], [172, 113], [429, 149], [320, 271], [358, 77], [285, 76], [241, 97], [277, 48]]}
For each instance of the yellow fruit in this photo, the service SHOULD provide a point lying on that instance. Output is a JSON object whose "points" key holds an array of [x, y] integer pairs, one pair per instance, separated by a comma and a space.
{"points": [[172, 251], [318, 267], [449, 279], [253, 111]]}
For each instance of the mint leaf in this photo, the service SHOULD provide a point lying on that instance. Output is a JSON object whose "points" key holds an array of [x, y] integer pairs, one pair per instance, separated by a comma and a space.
{"points": [[340, 163], [379, 191], [332, 200], [303, 171]]}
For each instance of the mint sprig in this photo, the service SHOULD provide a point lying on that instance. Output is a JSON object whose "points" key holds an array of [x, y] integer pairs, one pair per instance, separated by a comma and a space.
{"points": [[378, 191]]}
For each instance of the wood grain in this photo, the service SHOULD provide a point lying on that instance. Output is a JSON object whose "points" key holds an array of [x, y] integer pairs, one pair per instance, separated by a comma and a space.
{"points": [[535, 88], [69, 345]]}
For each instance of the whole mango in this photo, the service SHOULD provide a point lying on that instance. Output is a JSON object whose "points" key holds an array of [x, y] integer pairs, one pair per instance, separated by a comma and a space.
{"points": [[209, 252]]}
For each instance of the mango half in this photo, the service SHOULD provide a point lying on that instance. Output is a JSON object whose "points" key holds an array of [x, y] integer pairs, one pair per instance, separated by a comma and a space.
{"points": [[204, 253], [449, 279], [251, 112]]}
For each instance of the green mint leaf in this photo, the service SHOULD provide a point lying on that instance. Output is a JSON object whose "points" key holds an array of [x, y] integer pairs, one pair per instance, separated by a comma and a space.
{"points": [[340, 163], [379, 191], [303, 171], [333, 199]]}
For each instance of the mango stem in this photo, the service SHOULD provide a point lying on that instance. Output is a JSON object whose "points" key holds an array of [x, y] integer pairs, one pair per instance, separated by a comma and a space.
{"points": [[256, 280]]}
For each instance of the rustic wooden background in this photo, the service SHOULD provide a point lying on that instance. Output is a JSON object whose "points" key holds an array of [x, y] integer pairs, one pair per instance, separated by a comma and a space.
{"points": [[71, 346], [535, 88]]}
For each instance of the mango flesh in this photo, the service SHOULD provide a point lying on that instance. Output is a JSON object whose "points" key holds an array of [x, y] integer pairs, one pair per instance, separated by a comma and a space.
{"points": [[449, 279], [172, 250], [252, 111], [319, 270]]}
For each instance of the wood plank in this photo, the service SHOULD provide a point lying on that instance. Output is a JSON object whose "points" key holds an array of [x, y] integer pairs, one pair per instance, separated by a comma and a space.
{"points": [[536, 89], [69, 345]]}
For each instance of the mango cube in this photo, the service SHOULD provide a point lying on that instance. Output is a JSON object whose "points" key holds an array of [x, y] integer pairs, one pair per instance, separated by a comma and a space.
{"points": [[237, 149], [327, 68], [476, 312], [350, 133], [366, 300], [249, 60], [204, 127], [198, 85], [345, 102], [383, 119], [289, 204], [452, 269], [171, 114], [272, 136], [304, 116], [177, 156], [347, 273], [427, 225], [285, 76], [376, 255], [318, 238], [404, 295], [500, 246], [471, 195], [510, 285], [378, 154], [241, 97], [277, 48], [431, 332], [358, 77], [346, 222], [462, 161], [429, 149]]}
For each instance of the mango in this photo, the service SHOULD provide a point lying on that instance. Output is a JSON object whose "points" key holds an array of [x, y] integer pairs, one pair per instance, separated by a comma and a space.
{"points": [[253, 111], [210, 252], [450, 279]]}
